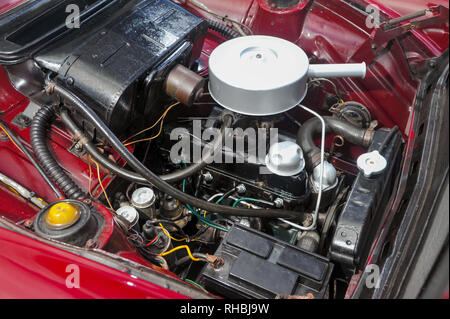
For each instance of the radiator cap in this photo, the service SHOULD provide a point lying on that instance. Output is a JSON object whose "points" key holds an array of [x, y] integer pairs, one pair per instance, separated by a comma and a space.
{"points": [[371, 164]]}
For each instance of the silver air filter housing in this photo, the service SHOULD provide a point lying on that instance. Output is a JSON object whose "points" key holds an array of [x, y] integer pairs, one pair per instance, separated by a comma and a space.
{"points": [[263, 75]]}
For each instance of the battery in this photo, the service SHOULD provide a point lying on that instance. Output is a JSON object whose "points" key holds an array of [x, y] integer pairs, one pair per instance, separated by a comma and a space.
{"points": [[257, 265]]}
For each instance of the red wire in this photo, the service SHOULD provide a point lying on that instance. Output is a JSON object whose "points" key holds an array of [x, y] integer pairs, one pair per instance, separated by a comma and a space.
{"points": [[153, 241]]}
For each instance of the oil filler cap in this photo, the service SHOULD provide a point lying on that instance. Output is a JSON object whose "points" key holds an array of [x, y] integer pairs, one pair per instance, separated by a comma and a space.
{"points": [[285, 159], [371, 164]]}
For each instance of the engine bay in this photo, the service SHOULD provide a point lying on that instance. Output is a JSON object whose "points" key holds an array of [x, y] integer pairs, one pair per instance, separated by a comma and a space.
{"points": [[247, 164]]}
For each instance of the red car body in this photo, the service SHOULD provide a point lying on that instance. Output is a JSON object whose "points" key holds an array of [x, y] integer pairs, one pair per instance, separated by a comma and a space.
{"points": [[35, 268]]}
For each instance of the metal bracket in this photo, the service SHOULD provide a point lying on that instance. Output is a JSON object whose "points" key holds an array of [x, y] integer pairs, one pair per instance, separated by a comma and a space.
{"points": [[23, 120], [395, 28]]}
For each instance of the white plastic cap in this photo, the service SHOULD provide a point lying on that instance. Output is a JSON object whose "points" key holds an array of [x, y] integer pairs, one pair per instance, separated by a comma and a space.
{"points": [[143, 197], [129, 213], [371, 164]]}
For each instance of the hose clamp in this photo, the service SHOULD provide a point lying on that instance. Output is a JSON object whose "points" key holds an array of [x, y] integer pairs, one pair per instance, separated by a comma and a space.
{"points": [[369, 134], [50, 88]]}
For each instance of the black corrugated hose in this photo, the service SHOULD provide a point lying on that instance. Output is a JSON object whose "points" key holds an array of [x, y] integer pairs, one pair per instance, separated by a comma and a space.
{"points": [[38, 133], [223, 29]]}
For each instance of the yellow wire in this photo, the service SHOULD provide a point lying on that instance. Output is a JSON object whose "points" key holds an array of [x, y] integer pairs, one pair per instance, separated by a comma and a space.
{"points": [[168, 235], [10, 188], [147, 139], [178, 248], [175, 239], [101, 185], [4, 130], [90, 177], [156, 123]]}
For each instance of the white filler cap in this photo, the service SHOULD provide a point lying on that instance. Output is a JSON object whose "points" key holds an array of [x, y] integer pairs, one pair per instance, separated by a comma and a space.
{"points": [[143, 197], [371, 164], [129, 213]]}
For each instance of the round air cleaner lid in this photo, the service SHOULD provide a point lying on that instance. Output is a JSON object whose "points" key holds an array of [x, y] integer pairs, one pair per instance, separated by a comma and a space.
{"points": [[258, 75], [262, 75]]}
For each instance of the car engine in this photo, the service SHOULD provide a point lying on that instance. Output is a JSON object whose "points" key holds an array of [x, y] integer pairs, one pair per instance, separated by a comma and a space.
{"points": [[240, 163]]}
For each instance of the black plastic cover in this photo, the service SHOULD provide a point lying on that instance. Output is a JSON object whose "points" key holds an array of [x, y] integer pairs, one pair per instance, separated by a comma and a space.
{"points": [[260, 266], [109, 61], [361, 216], [116, 61]]}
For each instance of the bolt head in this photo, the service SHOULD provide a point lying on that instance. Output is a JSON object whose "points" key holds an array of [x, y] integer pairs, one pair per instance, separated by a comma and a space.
{"points": [[70, 81], [208, 177], [279, 202]]}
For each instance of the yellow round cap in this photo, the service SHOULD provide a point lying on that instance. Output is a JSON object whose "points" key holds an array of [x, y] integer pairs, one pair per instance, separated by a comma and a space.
{"points": [[62, 215]]}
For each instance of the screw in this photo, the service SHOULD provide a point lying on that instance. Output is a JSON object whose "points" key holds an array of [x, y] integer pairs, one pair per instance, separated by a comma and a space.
{"points": [[348, 242], [28, 223], [279, 202], [241, 189], [3, 136], [24, 120], [91, 243]]}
